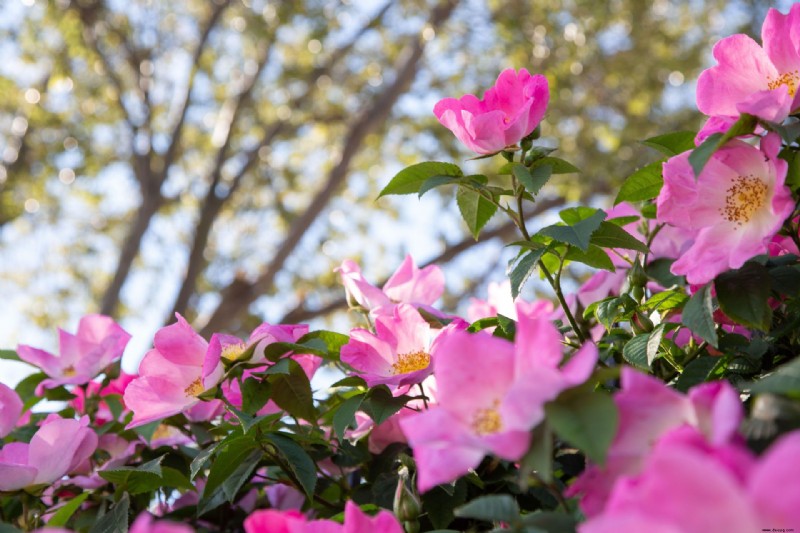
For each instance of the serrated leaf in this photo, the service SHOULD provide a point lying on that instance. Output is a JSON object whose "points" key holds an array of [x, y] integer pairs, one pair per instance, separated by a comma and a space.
{"points": [[345, 415], [540, 455], [671, 144], [578, 234], [642, 185], [654, 343], [743, 295], [595, 257], [410, 179], [201, 459], [696, 372], [610, 235], [635, 351], [476, 210], [533, 180], [492, 508], [115, 520], [666, 300], [333, 341], [585, 419], [380, 404], [556, 164], [523, 269], [255, 394], [698, 316], [436, 181], [65, 512], [292, 392], [232, 466], [297, 460]]}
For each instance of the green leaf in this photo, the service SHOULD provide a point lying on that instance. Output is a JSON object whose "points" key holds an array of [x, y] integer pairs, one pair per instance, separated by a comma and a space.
{"points": [[696, 372], [523, 269], [201, 459], [550, 522], [610, 235], [700, 155], [436, 181], [409, 180], [532, 180], [62, 516], [136, 480], [297, 460], [578, 234], [491, 508], [585, 419], [644, 184], [439, 504], [255, 394], [659, 271], [784, 380], [672, 144], [698, 316], [231, 467], [380, 404], [666, 300], [788, 132], [8, 528], [345, 415], [654, 343], [292, 392], [9, 355], [227, 488], [539, 458], [333, 341], [793, 173], [476, 209], [635, 351], [595, 257], [556, 164], [786, 279], [743, 295], [26, 389], [115, 520]]}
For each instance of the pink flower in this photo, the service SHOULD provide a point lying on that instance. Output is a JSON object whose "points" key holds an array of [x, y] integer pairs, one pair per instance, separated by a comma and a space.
{"points": [[491, 393], [10, 409], [231, 348], [755, 80], [648, 409], [59, 447], [400, 352], [684, 478], [355, 521], [116, 386], [508, 112], [173, 375], [99, 342], [409, 284], [734, 208], [498, 302], [144, 523]]}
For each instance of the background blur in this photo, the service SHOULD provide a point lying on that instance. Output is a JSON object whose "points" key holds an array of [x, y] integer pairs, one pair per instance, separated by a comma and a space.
{"points": [[220, 158]]}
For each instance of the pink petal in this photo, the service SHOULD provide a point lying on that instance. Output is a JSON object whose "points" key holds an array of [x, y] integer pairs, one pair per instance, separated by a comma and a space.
{"points": [[773, 485], [357, 521], [10, 409], [180, 344], [781, 37]]}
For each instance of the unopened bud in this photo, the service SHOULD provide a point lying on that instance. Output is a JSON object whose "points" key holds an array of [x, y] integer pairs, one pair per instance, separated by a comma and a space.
{"points": [[640, 323], [406, 504]]}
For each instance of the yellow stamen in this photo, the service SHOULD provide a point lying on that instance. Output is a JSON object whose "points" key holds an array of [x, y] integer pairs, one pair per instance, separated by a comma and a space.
{"points": [[487, 421], [69, 371], [790, 79], [746, 196], [411, 362], [162, 432], [231, 352], [195, 388]]}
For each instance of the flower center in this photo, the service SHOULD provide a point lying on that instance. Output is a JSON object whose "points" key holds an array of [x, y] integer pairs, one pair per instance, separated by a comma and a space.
{"points": [[232, 351], [162, 432], [487, 421], [69, 371], [790, 79], [411, 362], [746, 196], [195, 388]]}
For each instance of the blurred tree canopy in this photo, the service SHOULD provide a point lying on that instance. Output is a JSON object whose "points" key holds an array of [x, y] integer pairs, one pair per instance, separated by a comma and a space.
{"points": [[220, 158]]}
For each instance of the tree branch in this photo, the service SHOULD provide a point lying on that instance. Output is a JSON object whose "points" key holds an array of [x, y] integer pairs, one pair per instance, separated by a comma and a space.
{"points": [[239, 295], [505, 231]]}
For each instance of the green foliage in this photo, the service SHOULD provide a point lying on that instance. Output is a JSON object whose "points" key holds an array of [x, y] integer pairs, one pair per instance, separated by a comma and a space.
{"points": [[698, 315], [644, 184], [585, 419], [411, 179]]}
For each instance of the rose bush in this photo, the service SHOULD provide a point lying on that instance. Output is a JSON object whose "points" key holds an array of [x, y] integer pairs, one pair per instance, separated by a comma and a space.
{"points": [[662, 395]]}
